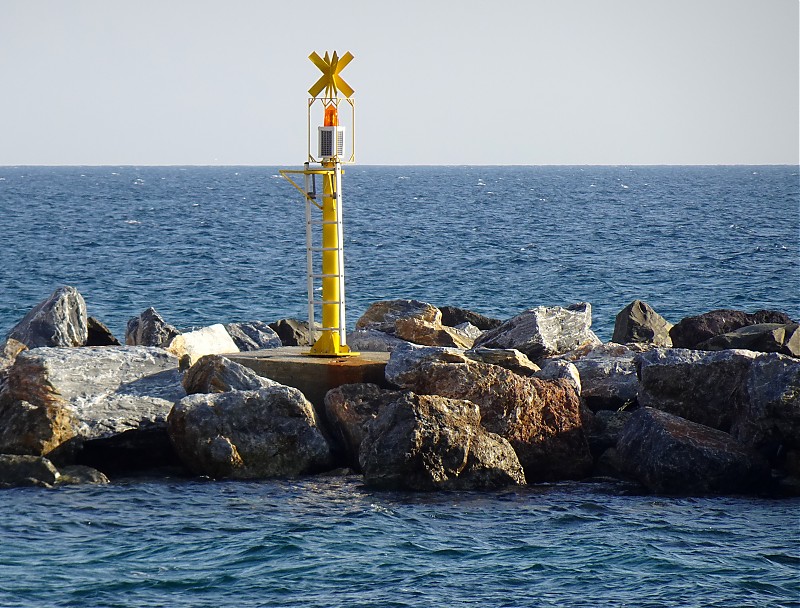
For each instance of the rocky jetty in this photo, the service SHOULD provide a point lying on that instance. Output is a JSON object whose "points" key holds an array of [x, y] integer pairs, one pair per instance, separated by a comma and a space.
{"points": [[474, 403]]}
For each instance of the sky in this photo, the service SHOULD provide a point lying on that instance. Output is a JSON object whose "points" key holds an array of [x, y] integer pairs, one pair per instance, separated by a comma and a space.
{"points": [[437, 82]]}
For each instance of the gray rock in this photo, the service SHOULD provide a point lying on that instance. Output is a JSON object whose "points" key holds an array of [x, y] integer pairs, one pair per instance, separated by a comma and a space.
{"points": [[603, 430], [426, 442], [691, 331], [763, 337], [292, 332], [81, 475], [453, 316], [560, 369], [540, 418], [638, 322], [103, 391], [16, 471], [218, 374], [350, 409], [704, 387], [383, 316], [608, 376], [255, 335], [149, 329], [60, 320], [754, 396], [271, 432], [544, 331], [509, 358], [769, 414], [370, 340], [99, 334], [670, 455]]}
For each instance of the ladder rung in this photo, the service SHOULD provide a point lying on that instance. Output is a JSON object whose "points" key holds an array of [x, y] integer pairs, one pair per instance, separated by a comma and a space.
{"points": [[321, 302], [325, 276], [323, 249], [318, 328], [323, 222]]}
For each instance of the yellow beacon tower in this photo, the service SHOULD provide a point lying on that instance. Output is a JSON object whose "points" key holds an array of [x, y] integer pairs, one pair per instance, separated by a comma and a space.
{"points": [[324, 248]]}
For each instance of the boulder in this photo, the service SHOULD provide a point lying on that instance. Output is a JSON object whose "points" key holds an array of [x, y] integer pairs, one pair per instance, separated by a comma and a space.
{"points": [[8, 354], [16, 471], [769, 415], [603, 430], [691, 331], [468, 330], [77, 474], [540, 418], [704, 387], [350, 409], [762, 337], [452, 316], [270, 432], [218, 374], [427, 442], [383, 316], [56, 396], [509, 358], [607, 376], [670, 455], [560, 369], [638, 322], [255, 335], [60, 320], [211, 340], [754, 396], [544, 331], [426, 333], [370, 340], [149, 329], [292, 332], [34, 429], [98, 334]]}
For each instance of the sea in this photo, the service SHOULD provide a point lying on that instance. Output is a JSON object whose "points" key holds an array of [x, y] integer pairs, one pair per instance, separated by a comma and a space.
{"points": [[208, 245]]}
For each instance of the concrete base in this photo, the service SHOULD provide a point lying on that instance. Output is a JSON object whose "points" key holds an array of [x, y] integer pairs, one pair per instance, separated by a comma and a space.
{"points": [[314, 376]]}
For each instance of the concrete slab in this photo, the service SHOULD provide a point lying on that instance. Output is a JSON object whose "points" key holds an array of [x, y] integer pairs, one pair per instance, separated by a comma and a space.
{"points": [[314, 376]]}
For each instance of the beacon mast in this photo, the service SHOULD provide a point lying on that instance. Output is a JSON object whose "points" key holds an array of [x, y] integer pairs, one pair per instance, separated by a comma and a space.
{"points": [[324, 238]]}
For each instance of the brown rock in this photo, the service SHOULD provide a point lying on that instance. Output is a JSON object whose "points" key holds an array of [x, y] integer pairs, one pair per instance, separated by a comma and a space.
{"points": [[426, 333], [638, 322], [32, 429], [383, 316], [350, 409], [452, 316], [98, 334], [691, 331], [426, 442], [540, 418], [509, 358], [763, 337]]}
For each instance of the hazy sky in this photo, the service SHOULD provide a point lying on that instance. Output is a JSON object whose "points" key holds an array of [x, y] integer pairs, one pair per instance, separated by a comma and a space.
{"points": [[437, 82]]}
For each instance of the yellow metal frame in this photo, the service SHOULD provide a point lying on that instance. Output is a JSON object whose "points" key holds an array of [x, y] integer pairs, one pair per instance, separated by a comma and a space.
{"points": [[333, 339]]}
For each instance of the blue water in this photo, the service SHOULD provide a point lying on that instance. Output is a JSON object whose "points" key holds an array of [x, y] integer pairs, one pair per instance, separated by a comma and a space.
{"points": [[207, 245]]}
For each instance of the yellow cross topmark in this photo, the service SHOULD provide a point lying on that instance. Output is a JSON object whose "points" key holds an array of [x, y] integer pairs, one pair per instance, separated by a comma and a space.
{"points": [[330, 79]]}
